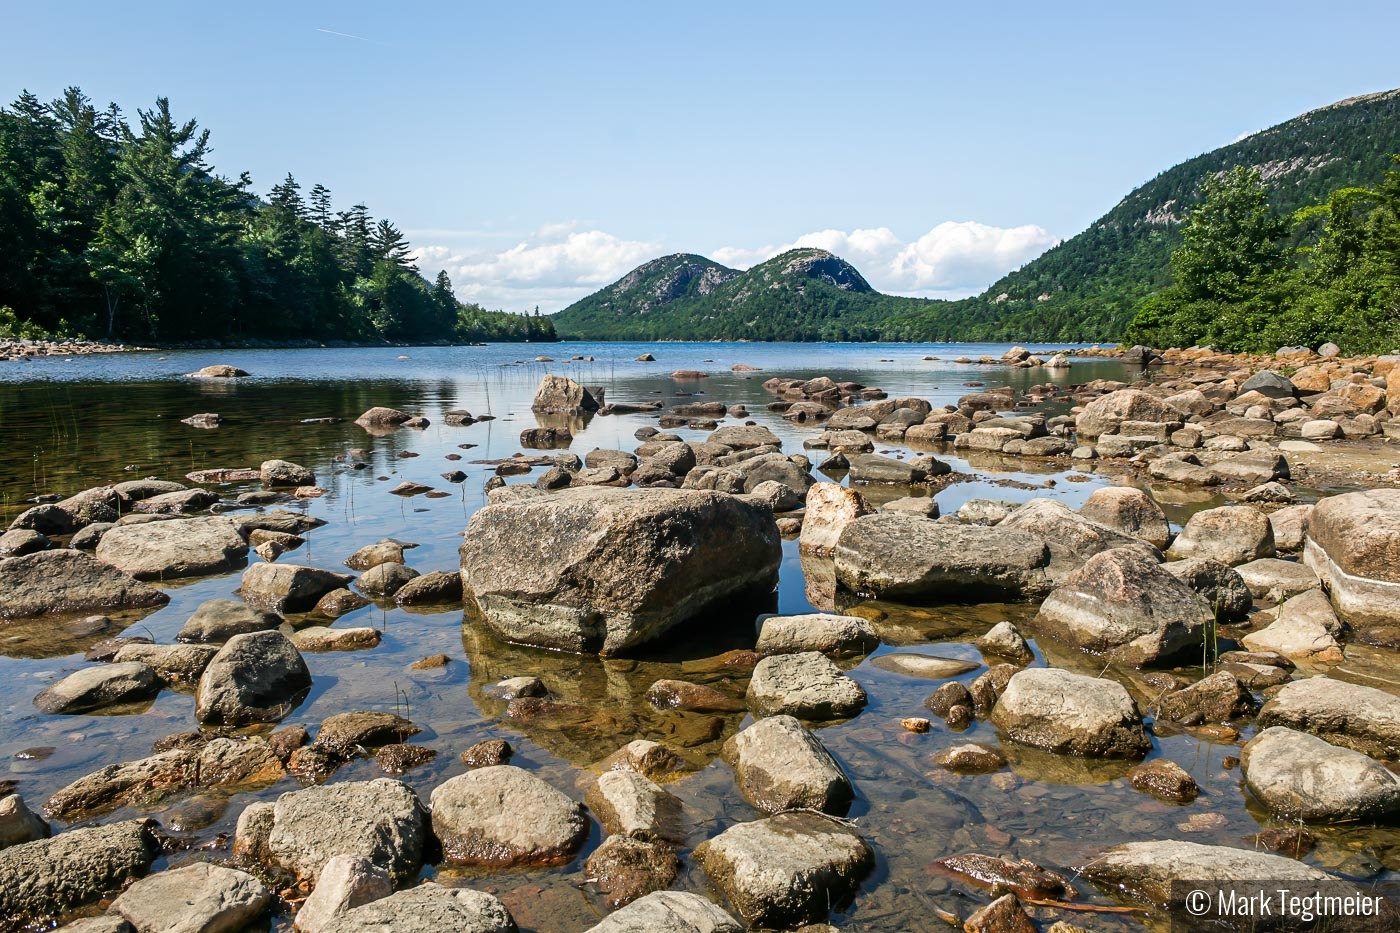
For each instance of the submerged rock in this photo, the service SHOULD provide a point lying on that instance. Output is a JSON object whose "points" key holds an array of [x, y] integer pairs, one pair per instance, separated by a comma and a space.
{"points": [[599, 570], [787, 870]]}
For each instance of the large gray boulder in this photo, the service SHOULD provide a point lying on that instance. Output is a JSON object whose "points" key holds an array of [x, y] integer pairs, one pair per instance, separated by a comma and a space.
{"points": [[668, 912], [562, 396], [199, 898], [95, 687], [1301, 777], [1071, 714], [381, 820], [1304, 629], [289, 587], [600, 570], [899, 555], [47, 877], [1231, 534], [779, 765], [1130, 511], [1124, 605], [183, 547], [1353, 544], [1352, 715], [256, 677], [64, 581], [787, 870], [806, 685], [285, 473], [427, 908], [503, 816]]}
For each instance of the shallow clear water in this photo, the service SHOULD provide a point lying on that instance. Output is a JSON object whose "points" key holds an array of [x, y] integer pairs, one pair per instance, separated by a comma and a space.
{"points": [[73, 424]]}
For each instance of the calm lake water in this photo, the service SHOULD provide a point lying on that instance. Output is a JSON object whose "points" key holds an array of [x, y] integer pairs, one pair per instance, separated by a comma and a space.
{"points": [[69, 425]]}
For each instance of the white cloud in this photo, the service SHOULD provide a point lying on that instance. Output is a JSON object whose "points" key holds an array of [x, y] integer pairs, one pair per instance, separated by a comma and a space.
{"points": [[559, 264], [951, 260], [553, 268]]}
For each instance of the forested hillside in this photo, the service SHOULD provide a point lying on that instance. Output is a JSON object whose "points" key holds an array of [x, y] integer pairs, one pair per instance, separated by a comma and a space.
{"points": [[1088, 288], [803, 294], [124, 230]]}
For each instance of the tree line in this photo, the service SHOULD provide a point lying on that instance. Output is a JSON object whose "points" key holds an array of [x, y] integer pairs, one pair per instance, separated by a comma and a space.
{"points": [[123, 231], [1250, 278]]}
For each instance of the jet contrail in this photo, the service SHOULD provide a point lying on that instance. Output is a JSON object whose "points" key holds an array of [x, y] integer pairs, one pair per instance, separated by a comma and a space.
{"points": [[344, 35]]}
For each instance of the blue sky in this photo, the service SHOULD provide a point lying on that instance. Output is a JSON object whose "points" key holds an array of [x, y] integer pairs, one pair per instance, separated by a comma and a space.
{"points": [[539, 150]]}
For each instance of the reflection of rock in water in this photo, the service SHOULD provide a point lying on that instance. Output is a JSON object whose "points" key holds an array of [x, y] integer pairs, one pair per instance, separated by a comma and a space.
{"points": [[819, 573], [58, 636], [597, 705], [1036, 764], [901, 625]]}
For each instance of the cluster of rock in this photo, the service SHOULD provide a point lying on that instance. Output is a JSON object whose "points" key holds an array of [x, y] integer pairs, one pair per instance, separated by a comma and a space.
{"points": [[24, 348]]}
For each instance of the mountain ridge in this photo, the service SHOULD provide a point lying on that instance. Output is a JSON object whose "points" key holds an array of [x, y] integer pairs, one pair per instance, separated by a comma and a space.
{"points": [[1085, 288]]}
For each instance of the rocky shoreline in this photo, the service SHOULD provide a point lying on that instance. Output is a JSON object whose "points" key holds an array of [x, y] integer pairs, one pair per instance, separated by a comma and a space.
{"points": [[1232, 627]]}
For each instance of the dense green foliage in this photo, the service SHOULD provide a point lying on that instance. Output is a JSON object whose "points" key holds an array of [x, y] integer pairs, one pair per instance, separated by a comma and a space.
{"points": [[1087, 288], [126, 232], [1239, 286]]}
